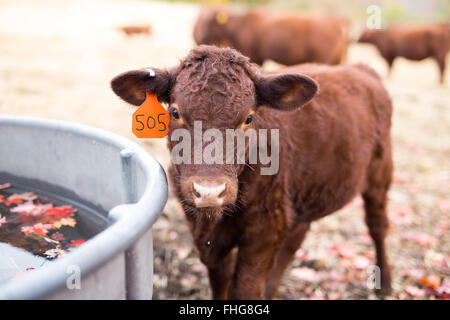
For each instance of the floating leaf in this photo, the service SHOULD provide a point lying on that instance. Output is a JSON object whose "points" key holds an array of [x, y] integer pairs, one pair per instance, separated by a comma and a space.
{"points": [[2, 220], [24, 208], [63, 211], [13, 200], [38, 229], [54, 253], [58, 236], [5, 186], [70, 222], [77, 243]]}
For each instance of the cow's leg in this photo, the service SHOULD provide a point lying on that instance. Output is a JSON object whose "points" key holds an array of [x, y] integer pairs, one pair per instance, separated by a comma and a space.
{"points": [[255, 259], [390, 62], [375, 202], [441, 63], [284, 257], [220, 276]]}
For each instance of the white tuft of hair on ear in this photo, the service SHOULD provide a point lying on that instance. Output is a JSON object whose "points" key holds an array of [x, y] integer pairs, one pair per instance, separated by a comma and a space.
{"points": [[151, 73]]}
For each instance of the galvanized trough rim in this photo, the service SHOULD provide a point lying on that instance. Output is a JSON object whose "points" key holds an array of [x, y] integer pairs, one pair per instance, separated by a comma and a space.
{"points": [[129, 221]]}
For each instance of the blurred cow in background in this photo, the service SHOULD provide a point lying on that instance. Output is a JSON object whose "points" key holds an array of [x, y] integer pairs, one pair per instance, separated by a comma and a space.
{"points": [[286, 38], [411, 42], [136, 29]]}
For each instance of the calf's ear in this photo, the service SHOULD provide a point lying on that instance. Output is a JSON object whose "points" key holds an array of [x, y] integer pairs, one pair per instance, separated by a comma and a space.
{"points": [[285, 92], [131, 86]]}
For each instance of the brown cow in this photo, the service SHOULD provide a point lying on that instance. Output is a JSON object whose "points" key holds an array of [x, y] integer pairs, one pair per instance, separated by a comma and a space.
{"points": [[334, 144], [136, 29], [411, 42], [287, 38]]}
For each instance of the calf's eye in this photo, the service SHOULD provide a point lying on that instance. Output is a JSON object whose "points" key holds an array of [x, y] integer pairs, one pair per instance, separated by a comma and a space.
{"points": [[249, 119], [175, 114]]}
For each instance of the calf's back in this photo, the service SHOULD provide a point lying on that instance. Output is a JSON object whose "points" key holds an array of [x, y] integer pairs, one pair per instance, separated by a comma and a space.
{"points": [[327, 146]]}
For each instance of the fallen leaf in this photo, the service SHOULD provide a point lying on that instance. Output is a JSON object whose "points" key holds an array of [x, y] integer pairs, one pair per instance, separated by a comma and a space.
{"points": [[2, 220], [444, 290], [24, 208], [26, 219], [432, 281], [415, 291], [306, 274], [5, 185], [70, 222], [11, 201], [403, 216], [444, 205], [344, 252], [29, 208], [63, 211], [25, 196], [53, 253], [58, 236], [183, 252], [38, 229], [301, 254], [422, 239], [361, 262], [437, 261], [77, 243]]}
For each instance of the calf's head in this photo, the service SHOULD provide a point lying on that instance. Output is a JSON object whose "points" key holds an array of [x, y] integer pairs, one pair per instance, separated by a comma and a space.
{"points": [[213, 90]]}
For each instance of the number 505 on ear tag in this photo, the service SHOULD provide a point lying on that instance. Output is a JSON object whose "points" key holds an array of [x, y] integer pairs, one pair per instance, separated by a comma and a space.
{"points": [[150, 120]]}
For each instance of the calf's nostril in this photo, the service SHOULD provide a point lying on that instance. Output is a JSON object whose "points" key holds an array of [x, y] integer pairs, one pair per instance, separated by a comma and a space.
{"points": [[222, 194], [208, 191], [195, 192]]}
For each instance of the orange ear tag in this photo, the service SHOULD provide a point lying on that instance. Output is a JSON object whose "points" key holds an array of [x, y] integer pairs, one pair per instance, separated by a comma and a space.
{"points": [[150, 120]]}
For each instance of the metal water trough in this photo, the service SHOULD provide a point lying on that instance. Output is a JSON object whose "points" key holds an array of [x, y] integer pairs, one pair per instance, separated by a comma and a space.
{"points": [[112, 176]]}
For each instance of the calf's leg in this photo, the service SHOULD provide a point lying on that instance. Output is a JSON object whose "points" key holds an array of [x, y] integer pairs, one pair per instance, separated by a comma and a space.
{"points": [[375, 202], [284, 257], [255, 259], [220, 276]]}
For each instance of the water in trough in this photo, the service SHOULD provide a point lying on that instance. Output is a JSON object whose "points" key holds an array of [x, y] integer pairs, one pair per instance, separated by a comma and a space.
{"points": [[38, 226]]}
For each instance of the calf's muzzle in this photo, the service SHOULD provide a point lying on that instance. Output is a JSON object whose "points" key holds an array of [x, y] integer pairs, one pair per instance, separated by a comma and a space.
{"points": [[210, 192]]}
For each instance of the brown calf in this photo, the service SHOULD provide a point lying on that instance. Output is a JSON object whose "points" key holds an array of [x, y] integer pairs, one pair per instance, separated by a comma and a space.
{"points": [[334, 144], [411, 42], [286, 38]]}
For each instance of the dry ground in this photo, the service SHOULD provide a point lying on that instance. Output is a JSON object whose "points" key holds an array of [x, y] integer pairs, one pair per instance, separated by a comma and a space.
{"points": [[56, 60]]}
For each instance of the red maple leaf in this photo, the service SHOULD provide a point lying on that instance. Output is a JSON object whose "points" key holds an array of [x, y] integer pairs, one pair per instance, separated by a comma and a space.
{"points": [[63, 211], [77, 243], [38, 229], [5, 185], [13, 200], [26, 219]]}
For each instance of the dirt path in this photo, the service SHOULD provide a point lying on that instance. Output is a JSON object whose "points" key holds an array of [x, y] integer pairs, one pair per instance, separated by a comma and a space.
{"points": [[56, 61]]}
